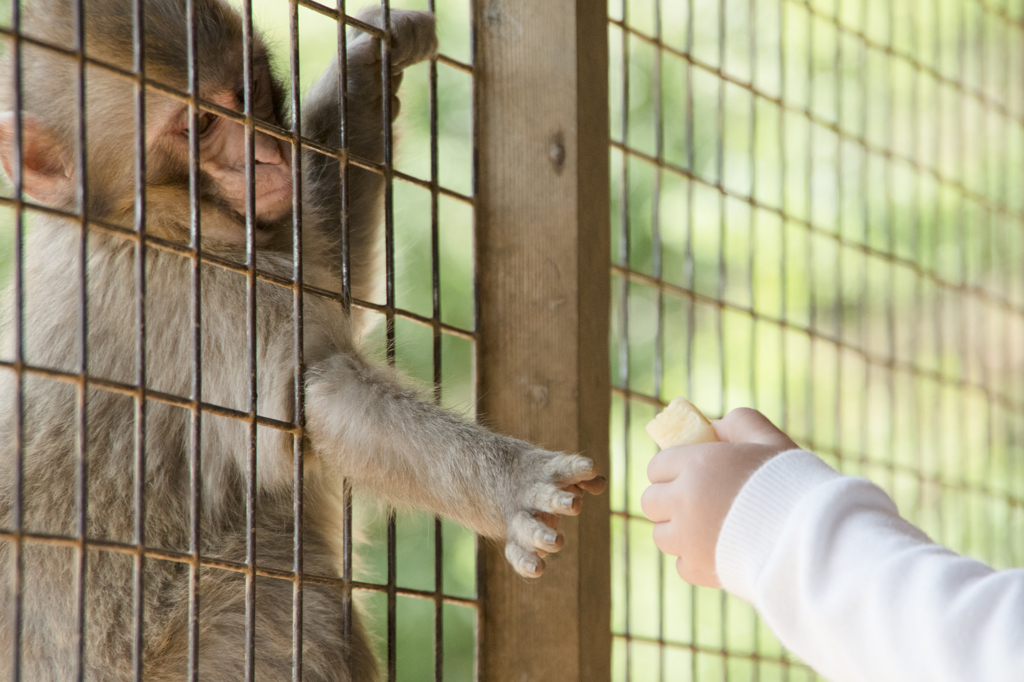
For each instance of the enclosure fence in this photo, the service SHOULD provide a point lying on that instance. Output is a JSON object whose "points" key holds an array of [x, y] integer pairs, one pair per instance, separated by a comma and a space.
{"points": [[818, 211]]}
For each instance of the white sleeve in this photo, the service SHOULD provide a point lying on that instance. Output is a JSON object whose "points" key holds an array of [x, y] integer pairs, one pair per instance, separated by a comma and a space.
{"points": [[856, 591]]}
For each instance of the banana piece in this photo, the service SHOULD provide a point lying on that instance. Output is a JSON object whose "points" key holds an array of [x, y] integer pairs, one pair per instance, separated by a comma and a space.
{"points": [[681, 423]]}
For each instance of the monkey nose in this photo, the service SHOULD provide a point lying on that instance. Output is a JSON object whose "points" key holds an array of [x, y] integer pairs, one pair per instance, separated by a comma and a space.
{"points": [[268, 149]]}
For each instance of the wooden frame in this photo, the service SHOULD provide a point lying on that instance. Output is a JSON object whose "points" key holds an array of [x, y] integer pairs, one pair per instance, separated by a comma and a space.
{"points": [[543, 271]]}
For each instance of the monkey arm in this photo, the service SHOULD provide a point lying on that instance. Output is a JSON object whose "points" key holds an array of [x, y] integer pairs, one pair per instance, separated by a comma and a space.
{"points": [[364, 124], [362, 424], [413, 40]]}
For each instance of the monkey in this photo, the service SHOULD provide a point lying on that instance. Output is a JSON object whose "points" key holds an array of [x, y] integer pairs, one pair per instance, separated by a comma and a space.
{"points": [[91, 367]]}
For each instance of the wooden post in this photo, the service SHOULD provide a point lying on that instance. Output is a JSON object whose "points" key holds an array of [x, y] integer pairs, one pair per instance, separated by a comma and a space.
{"points": [[543, 270]]}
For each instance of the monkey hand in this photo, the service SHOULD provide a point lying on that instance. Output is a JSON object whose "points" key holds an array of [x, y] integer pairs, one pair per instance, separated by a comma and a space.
{"points": [[413, 39], [548, 485]]}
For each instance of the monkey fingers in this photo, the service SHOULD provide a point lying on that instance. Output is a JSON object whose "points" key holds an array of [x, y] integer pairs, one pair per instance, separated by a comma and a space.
{"points": [[568, 476], [413, 38], [557, 488], [549, 520], [396, 103], [594, 486], [530, 539]]}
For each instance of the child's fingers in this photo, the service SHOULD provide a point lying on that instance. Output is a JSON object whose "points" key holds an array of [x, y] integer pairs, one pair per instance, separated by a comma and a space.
{"points": [[655, 503], [745, 425], [700, 575], [665, 538], [666, 465]]}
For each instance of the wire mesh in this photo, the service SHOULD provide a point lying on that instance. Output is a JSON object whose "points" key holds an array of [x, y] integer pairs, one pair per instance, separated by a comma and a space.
{"points": [[816, 212], [412, 577]]}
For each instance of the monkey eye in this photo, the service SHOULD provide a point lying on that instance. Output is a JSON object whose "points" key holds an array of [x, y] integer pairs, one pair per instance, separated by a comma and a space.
{"points": [[204, 122]]}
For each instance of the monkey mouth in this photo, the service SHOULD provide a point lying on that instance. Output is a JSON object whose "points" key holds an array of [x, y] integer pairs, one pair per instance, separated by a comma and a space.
{"points": [[275, 226], [274, 204], [265, 225]]}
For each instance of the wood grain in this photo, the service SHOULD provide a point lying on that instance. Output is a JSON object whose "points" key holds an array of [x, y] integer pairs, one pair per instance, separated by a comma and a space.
{"points": [[543, 274]]}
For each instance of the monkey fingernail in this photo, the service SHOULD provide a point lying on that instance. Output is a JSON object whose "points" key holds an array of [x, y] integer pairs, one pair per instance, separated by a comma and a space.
{"points": [[567, 501], [584, 465], [546, 540], [528, 566]]}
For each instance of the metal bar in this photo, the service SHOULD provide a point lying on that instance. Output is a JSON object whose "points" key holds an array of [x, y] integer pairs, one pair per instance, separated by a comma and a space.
{"points": [[346, 256], [812, 322], [346, 302], [81, 412], [1015, 468], [435, 295], [299, 373], [658, 86], [690, 267], [139, 67], [837, 66], [751, 261], [478, 549], [889, 228], [624, 359], [18, 322], [962, 310], [940, 340], [389, 319], [252, 339], [981, 352], [196, 412], [720, 284]]}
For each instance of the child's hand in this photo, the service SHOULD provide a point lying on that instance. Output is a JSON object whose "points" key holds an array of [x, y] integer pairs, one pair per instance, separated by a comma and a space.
{"points": [[693, 487]]}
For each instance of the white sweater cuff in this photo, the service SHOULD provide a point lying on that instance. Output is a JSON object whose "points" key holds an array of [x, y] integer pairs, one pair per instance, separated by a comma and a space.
{"points": [[758, 514]]}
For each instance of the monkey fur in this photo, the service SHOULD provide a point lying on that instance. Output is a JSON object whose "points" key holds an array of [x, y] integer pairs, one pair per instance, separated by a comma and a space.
{"points": [[362, 422]]}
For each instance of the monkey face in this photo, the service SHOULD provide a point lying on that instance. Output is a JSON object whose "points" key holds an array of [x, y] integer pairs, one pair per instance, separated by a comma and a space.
{"points": [[222, 155], [47, 164]]}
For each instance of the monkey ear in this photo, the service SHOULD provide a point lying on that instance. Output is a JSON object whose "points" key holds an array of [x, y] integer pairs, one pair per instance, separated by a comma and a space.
{"points": [[47, 174]]}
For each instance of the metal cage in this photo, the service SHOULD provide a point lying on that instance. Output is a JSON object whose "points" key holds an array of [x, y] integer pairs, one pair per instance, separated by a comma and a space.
{"points": [[416, 575]]}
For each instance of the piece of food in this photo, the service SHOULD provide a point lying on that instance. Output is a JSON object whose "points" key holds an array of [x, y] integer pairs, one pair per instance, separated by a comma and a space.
{"points": [[681, 423]]}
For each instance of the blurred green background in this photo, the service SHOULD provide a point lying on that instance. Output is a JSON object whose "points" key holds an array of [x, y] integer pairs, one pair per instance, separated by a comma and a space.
{"points": [[831, 197]]}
